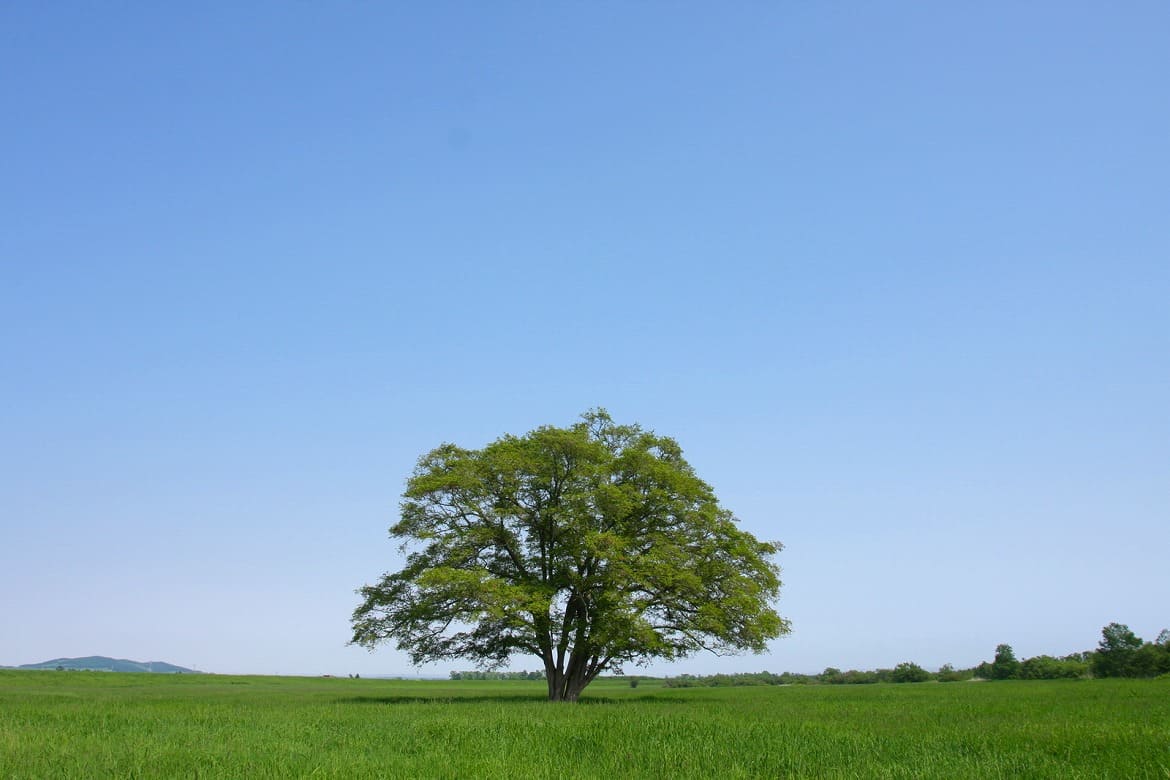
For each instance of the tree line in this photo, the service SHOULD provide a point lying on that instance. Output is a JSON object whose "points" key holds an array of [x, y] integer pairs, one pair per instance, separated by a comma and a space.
{"points": [[480, 674], [1120, 653]]}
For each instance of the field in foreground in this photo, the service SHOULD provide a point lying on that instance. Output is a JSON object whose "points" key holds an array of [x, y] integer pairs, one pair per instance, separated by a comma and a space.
{"points": [[79, 724]]}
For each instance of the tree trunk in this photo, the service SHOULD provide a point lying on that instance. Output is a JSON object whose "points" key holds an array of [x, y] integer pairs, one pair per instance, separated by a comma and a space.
{"points": [[564, 689], [566, 684], [554, 684]]}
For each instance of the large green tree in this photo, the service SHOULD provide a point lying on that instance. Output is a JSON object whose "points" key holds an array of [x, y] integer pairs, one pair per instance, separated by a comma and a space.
{"points": [[588, 547], [1116, 652], [1122, 653]]}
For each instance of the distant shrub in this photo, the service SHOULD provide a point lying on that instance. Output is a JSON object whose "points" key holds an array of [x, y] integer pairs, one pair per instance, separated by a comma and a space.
{"points": [[485, 675], [948, 673], [736, 680], [1045, 667], [909, 672], [834, 676]]}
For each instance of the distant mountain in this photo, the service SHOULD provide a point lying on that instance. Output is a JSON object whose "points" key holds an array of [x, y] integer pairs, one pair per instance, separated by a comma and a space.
{"points": [[100, 663]]}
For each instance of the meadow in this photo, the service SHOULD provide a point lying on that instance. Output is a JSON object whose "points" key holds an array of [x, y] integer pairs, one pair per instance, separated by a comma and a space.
{"points": [[81, 724]]}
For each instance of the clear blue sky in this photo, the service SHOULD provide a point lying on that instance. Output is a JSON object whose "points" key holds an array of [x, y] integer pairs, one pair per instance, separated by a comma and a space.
{"points": [[896, 276]]}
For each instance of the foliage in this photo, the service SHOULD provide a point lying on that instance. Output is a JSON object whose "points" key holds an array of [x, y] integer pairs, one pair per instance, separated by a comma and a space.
{"points": [[588, 547], [483, 674], [1152, 658], [1121, 653], [1005, 666], [1116, 652], [1045, 667], [732, 680], [830, 676], [833, 676], [909, 672], [948, 673], [211, 726]]}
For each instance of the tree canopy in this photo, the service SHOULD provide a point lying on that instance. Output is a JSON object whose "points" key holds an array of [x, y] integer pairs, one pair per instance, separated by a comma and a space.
{"points": [[588, 547], [1005, 666], [1121, 653]]}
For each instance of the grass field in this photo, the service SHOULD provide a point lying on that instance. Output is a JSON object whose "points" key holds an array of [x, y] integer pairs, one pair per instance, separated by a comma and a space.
{"points": [[78, 724]]}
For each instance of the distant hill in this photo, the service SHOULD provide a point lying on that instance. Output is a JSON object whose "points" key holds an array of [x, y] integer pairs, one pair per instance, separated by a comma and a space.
{"points": [[100, 663]]}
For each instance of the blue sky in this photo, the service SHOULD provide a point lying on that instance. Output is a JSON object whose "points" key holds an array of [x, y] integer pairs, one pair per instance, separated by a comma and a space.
{"points": [[895, 276]]}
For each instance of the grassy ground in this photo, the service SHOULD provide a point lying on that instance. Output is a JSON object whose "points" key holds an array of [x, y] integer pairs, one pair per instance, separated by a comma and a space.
{"points": [[78, 724]]}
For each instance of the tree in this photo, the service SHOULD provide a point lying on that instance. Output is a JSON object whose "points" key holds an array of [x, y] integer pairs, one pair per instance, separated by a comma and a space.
{"points": [[1116, 652], [948, 673], [1005, 666], [588, 547], [1045, 667], [909, 672], [1150, 660], [1161, 652], [832, 675]]}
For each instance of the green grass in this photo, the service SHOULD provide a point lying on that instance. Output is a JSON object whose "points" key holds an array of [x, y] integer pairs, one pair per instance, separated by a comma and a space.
{"points": [[78, 724]]}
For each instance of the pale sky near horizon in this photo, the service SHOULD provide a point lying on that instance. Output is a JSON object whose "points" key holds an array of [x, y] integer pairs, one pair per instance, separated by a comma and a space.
{"points": [[896, 276]]}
